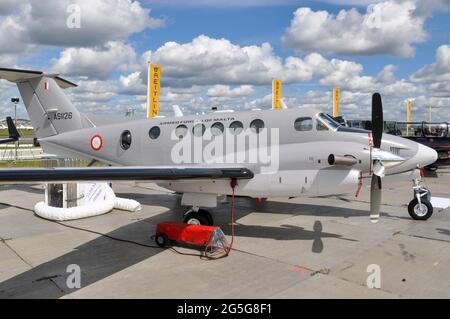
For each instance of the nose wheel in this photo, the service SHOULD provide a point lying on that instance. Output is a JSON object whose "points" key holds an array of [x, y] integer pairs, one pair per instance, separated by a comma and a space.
{"points": [[420, 208], [199, 217], [420, 211]]}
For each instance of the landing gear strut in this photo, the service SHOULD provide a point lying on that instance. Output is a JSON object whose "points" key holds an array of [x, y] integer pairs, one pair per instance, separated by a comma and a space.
{"points": [[198, 216], [420, 208]]}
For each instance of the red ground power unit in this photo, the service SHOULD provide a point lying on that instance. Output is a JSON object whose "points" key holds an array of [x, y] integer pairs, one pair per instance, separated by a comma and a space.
{"points": [[210, 237]]}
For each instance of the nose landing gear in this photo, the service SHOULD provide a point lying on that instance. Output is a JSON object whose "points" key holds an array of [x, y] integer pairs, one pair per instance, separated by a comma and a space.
{"points": [[420, 208]]}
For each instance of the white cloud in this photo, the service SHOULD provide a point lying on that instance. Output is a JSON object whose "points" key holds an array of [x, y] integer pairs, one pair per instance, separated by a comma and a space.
{"points": [[221, 3], [389, 27], [9, 6], [209, 61], [435, 78], [226, 91], [438, 71], [97, 62], [33, 23], [11, 33], [101, 21], [132, 84], [386, 75]]}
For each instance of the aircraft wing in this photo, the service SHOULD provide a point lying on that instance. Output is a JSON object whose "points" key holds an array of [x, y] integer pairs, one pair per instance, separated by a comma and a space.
{"points": [[65, 174]]}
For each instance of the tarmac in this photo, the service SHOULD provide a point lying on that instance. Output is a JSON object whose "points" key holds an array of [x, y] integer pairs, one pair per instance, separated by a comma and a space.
{"points": [[284, 248]]}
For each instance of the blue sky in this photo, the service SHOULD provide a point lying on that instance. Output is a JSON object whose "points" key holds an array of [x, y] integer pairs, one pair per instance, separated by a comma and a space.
{"points": [[244, 46]]}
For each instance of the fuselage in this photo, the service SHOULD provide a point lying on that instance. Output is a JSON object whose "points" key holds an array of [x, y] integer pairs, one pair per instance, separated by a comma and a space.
{"points": [[287, 150]]}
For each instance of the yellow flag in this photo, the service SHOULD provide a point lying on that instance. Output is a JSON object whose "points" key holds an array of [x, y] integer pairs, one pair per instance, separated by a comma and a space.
{"points": [[409, 111], [277, 94], [154, 87], [336, 101]]}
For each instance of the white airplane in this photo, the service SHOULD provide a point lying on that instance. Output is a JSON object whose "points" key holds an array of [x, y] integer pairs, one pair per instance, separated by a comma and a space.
{"points": [[265, 153]]}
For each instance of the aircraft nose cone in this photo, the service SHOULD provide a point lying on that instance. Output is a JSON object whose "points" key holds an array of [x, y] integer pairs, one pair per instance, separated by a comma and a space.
{"points": [[425, 155]]}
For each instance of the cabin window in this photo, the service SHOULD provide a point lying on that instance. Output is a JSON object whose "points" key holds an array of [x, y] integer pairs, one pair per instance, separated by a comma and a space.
{"points": [[236, 127], [125, 140], [154, 132], [199, 129], [303, 124], [181, 131], [217, 129], [257, 125]]}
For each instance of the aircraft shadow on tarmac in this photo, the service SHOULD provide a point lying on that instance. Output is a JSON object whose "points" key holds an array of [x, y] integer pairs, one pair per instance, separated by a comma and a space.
{"points": [[23, 188], [103, 256], [443, 231]]}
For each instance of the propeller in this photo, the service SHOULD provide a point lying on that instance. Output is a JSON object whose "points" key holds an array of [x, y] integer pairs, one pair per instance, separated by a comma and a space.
{"points": [[377, 165]]}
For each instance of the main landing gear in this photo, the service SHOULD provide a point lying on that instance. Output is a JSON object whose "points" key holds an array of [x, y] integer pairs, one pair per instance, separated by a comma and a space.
{"points": [[420, 208], [198, 216]]}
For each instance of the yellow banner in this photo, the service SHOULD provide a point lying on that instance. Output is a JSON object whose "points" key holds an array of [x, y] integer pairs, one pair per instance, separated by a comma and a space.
{"points": [[409, 111], [277, 94], [155, 71], [336, 101]]}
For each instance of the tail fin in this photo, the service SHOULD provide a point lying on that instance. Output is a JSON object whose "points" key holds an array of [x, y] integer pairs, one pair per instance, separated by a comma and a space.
{"points": [[49, 109], [12, 130]]}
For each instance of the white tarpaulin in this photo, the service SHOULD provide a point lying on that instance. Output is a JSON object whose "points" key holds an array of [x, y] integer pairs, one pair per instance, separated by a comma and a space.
{"points": [[440, 202], [92, 199]]}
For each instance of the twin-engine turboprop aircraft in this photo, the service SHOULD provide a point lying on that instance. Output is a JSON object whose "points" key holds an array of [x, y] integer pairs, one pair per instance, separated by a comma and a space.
{"points": [[289, 152]]}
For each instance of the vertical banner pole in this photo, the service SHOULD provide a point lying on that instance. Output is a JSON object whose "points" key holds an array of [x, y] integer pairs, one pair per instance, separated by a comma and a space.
{"points": [[408, 116], [408, 119], [155, 72], [148, 88], [277, 94], [336, 101]]}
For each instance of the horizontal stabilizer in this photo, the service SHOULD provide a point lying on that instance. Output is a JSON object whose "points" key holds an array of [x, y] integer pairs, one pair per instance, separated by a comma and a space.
{"points": [[16, 76]]}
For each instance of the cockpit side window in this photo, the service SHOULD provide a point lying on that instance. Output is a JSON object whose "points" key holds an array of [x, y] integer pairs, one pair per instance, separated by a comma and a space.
{"points": [[325, 122], [320, 126]]}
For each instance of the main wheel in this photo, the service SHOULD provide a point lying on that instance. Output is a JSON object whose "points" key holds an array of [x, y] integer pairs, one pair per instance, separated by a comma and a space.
{"points": [[202, 217], [421, 211], [161, 240]]}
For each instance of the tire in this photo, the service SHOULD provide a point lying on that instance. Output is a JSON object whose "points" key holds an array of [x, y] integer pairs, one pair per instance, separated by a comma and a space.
{"points": [[198, 218], [414, 210], [208, 216], [431, 168], [161, 240]]}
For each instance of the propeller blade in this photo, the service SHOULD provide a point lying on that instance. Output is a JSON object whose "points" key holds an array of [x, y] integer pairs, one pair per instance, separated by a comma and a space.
{"points": [[375, 198], [377, 119]]}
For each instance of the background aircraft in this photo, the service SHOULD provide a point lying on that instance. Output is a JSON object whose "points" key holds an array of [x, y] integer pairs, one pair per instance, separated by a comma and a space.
{"points": [[12, 132], [299, 152]]}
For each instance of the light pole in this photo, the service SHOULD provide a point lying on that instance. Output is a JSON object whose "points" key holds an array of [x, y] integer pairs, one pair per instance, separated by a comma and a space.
{"points": [[15, 100]]}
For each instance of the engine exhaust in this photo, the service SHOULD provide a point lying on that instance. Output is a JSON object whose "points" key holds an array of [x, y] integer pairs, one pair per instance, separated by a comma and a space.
{"points": [[345, 160]]}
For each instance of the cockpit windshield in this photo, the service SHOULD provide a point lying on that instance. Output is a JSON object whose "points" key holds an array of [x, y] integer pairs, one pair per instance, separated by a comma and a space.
{"points": [[328, 121]]}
